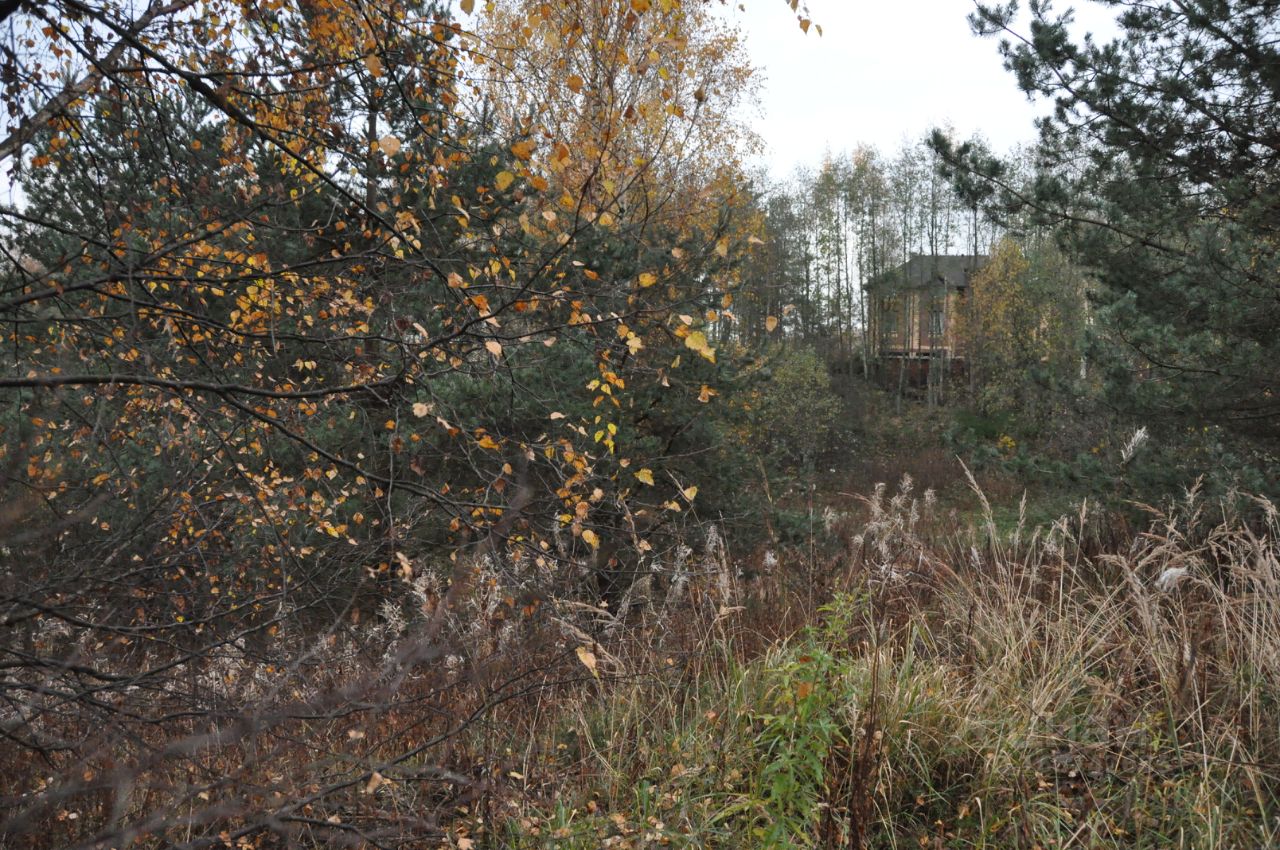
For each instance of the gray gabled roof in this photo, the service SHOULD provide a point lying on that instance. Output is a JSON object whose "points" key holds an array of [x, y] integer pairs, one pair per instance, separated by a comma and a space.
{"points": [[931, 270]]}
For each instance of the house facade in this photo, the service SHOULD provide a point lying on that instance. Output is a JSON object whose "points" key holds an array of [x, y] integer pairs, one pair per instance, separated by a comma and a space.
{"points": [[913, 321], [913, 309]]}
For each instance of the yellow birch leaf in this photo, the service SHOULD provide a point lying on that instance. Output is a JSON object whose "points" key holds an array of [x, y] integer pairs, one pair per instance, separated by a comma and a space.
{"points": [[645, 476], [771, 323], [648, 279], [590, 538], [495, 347], [697, 341], [503, 179]]}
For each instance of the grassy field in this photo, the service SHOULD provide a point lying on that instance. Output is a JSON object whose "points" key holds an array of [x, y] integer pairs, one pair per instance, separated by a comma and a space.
{"points": [[1032, 688]]}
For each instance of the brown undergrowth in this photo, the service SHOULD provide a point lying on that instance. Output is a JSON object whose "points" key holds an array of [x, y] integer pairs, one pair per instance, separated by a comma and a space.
{"points": [[390, 727]]}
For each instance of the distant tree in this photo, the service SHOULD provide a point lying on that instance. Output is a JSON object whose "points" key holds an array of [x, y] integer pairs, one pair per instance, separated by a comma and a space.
{"points": [[774, 284], [1023, 331], [795, 411]]}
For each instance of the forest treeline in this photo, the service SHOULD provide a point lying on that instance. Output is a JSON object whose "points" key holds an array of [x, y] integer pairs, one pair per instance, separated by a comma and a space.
{"points": [[371, 367]]}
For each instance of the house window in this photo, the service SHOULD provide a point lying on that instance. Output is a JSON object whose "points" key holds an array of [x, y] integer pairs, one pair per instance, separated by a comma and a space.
{"points": [[890, 310], [935, 321]]}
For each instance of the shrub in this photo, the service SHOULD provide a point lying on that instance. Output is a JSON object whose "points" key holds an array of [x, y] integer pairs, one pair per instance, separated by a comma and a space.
{"points": [[796, 412]]}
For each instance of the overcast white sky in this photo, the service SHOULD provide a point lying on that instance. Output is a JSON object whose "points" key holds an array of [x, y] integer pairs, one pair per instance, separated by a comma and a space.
{"points": [[883, 71]]}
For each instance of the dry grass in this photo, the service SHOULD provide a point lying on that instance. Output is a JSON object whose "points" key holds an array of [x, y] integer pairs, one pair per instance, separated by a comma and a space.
{"points": [[962, 689]]}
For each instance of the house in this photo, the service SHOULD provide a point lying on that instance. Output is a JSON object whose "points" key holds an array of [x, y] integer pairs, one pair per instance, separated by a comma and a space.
{"points": [[912, 315]]}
